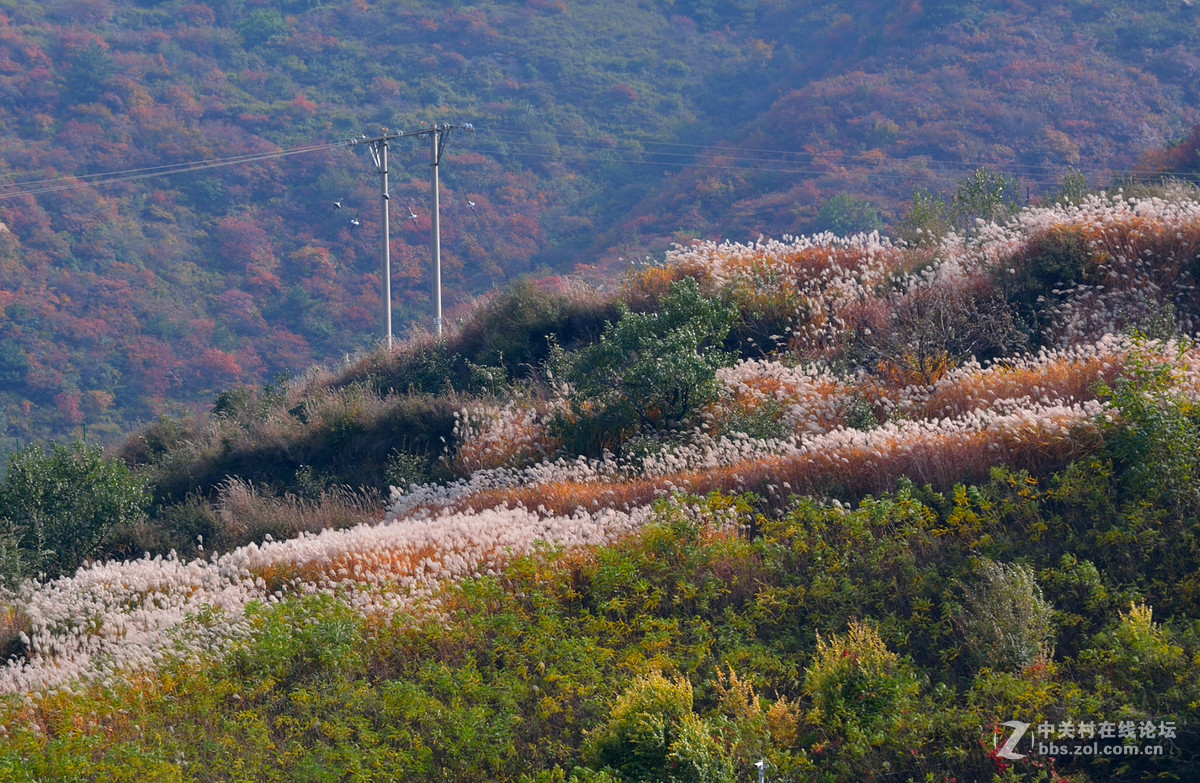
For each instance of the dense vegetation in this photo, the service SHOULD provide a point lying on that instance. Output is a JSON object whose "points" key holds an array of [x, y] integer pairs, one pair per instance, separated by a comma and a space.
{"points": [[606, 130], [818, 532], [689, 651]]}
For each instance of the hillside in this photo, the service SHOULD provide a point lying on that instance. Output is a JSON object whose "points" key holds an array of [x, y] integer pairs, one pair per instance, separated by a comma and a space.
{"points": [[605, 132], [842, 504]]}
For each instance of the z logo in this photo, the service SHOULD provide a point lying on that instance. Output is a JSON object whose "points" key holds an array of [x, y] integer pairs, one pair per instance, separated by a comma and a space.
{"points": [[1006, 750]]}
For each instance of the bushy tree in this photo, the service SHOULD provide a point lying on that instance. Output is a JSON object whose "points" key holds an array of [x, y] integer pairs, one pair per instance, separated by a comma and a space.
{"points": [[653, 735], [60, 507], [1006, 622], [1155, 436], [985, 195], [856, 681], [1074, 188], [926, 220], [846, 215], [262, 26], [935, 329], [649, 371]]}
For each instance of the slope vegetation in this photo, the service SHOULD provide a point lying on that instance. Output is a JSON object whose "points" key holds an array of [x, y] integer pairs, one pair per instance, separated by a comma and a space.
{"points": [[844, 505]]}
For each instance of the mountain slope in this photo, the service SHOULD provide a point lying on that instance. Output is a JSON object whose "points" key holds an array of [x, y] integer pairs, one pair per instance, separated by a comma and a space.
{"points": [[606, 130], [855, 551]]}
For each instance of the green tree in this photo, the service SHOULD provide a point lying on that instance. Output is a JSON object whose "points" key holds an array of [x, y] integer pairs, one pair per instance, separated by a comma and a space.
{"points": [[1155, 436], [985, 195], [926, 220], [89, 72], [1074, 188], [652, 734], [14, 365], [60, 507], [846, 215], [261, 26], [649, 371]]}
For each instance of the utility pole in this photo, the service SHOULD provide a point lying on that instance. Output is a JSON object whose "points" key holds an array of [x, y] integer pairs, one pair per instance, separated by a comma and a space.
{"points": [[436, 240], [379, 154], [378, 146]]}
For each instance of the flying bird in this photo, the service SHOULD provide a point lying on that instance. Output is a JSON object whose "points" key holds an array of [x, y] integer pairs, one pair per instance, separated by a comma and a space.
{"points": [[354, 221], [412, 215], [471, 204]]}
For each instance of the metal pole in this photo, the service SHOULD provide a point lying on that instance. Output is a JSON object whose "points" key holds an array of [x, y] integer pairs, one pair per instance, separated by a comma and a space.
{"points": [[437, 234], [378, 147], [382, 163]]}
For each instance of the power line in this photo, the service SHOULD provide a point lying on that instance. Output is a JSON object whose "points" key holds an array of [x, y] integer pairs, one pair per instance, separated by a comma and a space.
{"points": [[766, 167], [778, 155], [519, 144], [73, 182], [684, 156], [872, 170]]}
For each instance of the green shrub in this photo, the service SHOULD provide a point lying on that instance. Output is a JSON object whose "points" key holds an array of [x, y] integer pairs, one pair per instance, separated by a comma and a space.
{"points": [[188, 527], [511, 329], [1005, 621], [985, 195], [856, 681], [649, 371], [424, 368], [62, 506], [926, 220], [652, 734], [1140, 662], [404, 470], [1074, 188], [845, 215], [1052, 263], [695, 756], [1155, 439]]}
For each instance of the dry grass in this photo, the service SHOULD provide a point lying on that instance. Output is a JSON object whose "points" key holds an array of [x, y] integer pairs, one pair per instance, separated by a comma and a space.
{"points": [[1070, 379], [489, 437], [13, 624], [863, 464], [247, 515]]}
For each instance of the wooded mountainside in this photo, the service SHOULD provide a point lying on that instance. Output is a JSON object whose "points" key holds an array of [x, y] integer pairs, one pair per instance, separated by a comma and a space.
{"points": [[606, 131]]}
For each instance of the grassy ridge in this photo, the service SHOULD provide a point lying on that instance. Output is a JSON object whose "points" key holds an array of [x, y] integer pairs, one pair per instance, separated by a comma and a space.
{"points": [[850, 548]]}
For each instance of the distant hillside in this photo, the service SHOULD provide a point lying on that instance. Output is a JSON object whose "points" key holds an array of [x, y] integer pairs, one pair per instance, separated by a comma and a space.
{"points": [[605, 131]]}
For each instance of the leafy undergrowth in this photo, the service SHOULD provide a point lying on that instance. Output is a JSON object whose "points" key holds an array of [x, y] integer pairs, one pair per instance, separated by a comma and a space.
{"points": [[836, 644], [844, 505]]}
